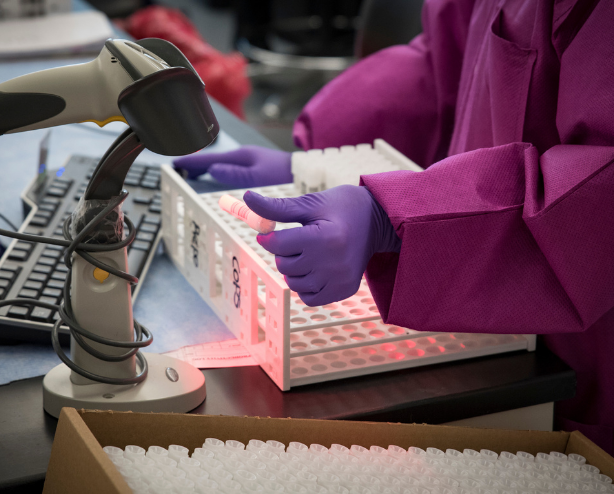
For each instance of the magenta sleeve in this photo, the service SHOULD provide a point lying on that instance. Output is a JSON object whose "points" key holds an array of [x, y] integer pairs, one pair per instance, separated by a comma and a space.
{"points": [[504, 239], [486, 249], [405, 94]]}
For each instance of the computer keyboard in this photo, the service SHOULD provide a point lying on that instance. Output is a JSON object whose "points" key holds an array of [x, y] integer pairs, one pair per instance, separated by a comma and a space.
{"points": [[37, 270]]}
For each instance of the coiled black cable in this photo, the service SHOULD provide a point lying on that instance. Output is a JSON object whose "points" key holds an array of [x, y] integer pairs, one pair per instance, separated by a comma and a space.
{"points": [[77, 246]]}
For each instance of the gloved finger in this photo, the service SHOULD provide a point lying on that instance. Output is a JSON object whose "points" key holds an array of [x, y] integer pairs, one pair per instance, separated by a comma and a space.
{"points": [[198, 163], [236, 175], [290, 242], [327, 295], [287, 210], [317, 299], [192, 165], [305, 284], [293, 265]]}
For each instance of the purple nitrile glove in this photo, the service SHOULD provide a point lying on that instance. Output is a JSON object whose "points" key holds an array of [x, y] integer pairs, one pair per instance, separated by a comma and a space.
{"points": [[324, 260], [248, 166]]}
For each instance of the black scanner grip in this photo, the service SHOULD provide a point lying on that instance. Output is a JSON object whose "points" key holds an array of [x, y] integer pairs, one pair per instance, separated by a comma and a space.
{"points": [[21, 109]]}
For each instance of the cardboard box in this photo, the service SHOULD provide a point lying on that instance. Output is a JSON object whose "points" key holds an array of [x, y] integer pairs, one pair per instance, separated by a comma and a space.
{"points": [[79, 465]]}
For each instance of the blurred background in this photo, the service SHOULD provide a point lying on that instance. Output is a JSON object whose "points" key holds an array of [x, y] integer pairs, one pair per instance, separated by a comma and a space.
{"points": [[264, 59]]}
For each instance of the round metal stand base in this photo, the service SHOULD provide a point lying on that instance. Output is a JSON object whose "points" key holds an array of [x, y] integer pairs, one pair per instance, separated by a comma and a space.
{"points": [[162, 391]]}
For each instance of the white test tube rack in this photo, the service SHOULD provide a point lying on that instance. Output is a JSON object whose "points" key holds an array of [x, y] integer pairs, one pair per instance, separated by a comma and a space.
{"points": [[293, 343]]}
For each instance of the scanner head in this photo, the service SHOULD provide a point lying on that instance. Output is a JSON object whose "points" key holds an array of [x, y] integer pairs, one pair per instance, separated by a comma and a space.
{"points": [[169, 111], [166, 105]]}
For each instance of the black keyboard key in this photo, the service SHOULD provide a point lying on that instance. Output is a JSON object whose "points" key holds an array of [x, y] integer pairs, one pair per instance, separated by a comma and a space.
{"points": [[142, 200], [38, 277], [52, 292], [18, 255], [150, 184], [148, 228], [56, 284], [150, 218], [145, 237], [49, 300], [62, 268], [154, 208], [47, 261], [56, 192], [55, 247], [152, 178], [44, 214], [33, 285], [27, 246], [59, 276], [19, 312], [38, 220], [41, 268], [47, 207], [136, 261], [9, 272], [7, 275], [41, 314], [51, 200], [25, 293], [62, 182], [138, 244], [135, 174], [55, 254], [134, 182]]}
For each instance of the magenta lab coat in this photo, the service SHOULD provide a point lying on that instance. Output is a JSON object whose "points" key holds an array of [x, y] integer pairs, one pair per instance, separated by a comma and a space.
{"points": [[511, 228]]}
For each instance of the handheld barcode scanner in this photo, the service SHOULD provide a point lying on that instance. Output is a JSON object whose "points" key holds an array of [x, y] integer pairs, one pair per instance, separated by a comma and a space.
{"points": [[152, 87]]}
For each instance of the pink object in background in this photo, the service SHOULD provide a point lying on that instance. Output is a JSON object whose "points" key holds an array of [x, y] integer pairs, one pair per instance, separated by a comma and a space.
{"points": [[223, 74]]}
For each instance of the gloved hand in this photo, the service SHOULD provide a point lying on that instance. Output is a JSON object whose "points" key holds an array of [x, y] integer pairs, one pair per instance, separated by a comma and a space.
{"points": [[324, 260], [248, 166]]}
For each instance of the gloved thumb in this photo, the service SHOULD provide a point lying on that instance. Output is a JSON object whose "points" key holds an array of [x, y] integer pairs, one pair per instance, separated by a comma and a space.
{"points": [[286, 210]]}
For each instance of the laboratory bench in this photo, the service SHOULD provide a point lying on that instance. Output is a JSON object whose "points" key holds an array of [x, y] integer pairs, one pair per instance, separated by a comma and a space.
{"points": [[513, 390]]}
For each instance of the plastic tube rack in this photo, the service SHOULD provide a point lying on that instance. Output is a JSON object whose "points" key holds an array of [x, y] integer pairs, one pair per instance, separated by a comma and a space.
{"points": [[318, 169], [293, 343]]}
